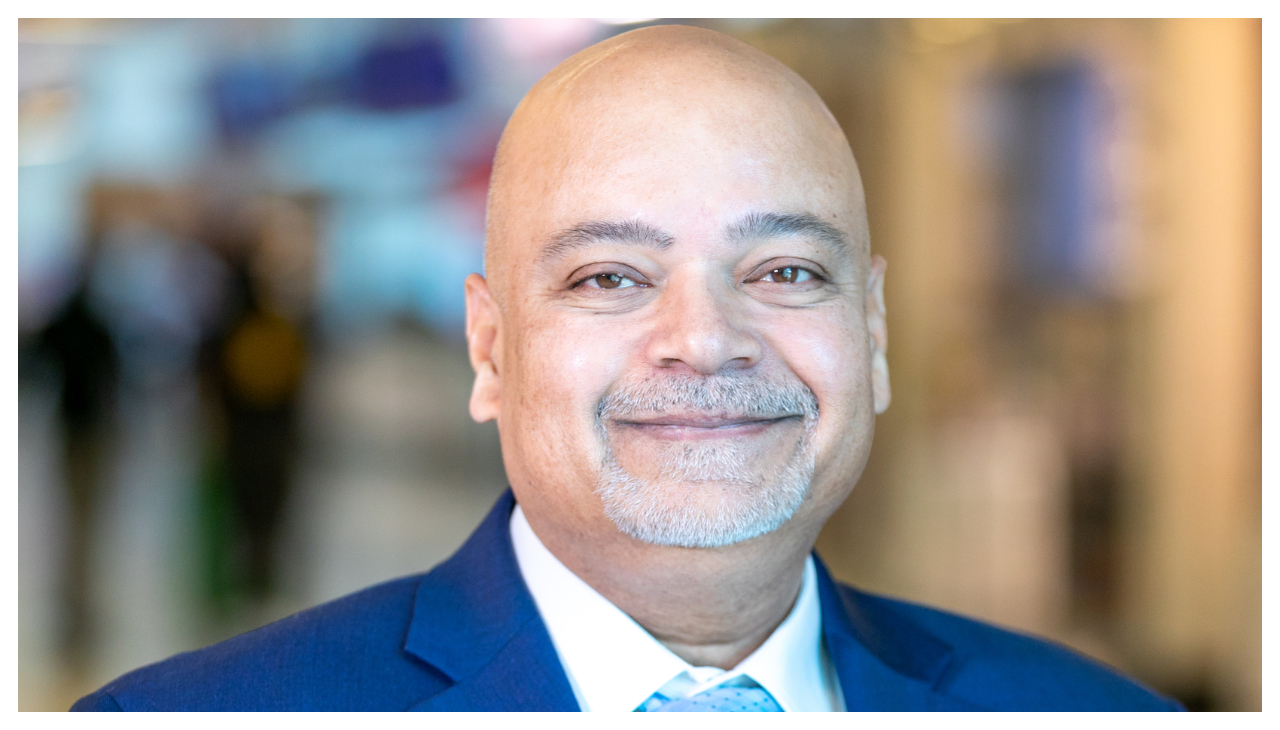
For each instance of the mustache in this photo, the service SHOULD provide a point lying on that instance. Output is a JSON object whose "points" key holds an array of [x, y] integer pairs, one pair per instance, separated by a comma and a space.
{"points": [[723, 396]]}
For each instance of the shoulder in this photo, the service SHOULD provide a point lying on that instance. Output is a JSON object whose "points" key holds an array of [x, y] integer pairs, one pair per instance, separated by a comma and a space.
{"points": [[346, 654], [997, 668]]}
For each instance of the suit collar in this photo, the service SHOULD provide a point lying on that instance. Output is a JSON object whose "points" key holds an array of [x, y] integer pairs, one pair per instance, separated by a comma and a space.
{"points": [[884, 660], [474, 620]]}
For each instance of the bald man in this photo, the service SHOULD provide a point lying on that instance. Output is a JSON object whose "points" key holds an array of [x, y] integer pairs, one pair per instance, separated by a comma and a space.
{"points": [[681, 337]]}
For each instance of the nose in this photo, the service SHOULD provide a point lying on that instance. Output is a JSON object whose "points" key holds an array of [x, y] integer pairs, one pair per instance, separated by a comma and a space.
{"points": [[701, 324]]}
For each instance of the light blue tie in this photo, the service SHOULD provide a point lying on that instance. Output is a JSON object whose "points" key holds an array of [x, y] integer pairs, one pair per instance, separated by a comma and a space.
{"points": [[740, 694]]}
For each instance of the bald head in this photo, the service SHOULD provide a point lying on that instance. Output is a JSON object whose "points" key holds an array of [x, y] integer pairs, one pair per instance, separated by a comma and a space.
{"points": [[676, 99]]}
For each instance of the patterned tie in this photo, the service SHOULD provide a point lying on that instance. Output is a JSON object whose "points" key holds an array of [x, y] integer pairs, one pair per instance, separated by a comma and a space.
{"points": [[740, 694]]}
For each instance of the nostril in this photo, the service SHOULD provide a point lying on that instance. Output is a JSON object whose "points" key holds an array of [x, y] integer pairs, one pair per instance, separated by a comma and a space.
{"points": [[701, 327]]}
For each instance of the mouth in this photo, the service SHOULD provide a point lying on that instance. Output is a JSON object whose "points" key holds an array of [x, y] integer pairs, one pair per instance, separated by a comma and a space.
{"points": [[697, 427]]}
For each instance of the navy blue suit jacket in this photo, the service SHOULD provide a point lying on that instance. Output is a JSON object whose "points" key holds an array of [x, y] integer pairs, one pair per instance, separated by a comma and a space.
{"points": [[467, 636]]}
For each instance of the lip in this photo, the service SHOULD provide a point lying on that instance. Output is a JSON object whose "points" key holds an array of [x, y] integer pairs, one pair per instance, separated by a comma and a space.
{"points": [[701, 427]]}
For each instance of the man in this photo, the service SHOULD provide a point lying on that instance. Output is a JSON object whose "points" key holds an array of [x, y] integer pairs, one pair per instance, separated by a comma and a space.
{"points": [[682, 340]]}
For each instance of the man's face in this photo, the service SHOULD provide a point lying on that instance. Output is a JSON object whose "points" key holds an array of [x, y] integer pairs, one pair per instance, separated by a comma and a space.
{"points": [[684, 349]]}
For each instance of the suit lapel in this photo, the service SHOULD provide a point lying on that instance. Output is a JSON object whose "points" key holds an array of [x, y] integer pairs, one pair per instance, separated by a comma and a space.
{"points": [[516, 679], [474, 621], [883, 660]]}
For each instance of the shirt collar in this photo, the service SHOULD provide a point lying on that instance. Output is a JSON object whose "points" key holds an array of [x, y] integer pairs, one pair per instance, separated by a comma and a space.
{"points": [[790, 662], [614, 665]]}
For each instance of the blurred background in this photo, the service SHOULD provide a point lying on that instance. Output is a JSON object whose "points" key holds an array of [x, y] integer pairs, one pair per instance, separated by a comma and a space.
{"points": [[243, 387]]}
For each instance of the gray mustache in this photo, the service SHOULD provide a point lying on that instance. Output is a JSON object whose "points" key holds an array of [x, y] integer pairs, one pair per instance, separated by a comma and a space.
{"points": [[732, 396]]}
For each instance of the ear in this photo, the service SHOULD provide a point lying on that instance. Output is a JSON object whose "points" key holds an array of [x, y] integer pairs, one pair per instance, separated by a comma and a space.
{"points": [[879, 333], [484, 346]]}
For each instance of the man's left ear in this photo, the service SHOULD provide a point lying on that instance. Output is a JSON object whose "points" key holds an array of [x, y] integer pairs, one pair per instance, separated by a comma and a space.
{"points": [[879, 333], [484, 347]]}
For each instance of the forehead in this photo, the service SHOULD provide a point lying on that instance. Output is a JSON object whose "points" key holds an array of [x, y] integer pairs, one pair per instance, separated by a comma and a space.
{"points": [[698, 154], [690, 144]]}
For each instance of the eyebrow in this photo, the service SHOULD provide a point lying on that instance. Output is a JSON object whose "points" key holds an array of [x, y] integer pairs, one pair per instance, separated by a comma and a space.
{"points": [[784, 225], [754, 226], [591, 232]]}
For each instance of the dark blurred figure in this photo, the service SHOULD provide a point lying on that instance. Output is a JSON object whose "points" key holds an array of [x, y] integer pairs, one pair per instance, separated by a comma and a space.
{"points": [[77, 341], [252, 373]]}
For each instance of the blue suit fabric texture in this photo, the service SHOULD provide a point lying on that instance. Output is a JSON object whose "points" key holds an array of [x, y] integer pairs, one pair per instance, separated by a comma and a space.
{"points": [[467, 636]]}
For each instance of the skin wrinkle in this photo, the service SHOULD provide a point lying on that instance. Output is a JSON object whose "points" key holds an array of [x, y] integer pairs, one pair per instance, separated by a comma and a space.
{"points": [[688, 132]]}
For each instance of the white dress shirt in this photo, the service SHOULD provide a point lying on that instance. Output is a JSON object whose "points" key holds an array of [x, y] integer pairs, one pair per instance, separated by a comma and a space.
{"points": [[614, 665]]}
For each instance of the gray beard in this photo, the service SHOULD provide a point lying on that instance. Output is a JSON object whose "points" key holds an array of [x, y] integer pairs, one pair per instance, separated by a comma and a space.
{"points": [[707, 495]]}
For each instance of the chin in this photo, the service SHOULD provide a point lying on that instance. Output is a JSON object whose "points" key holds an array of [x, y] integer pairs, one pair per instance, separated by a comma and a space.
{"points": [[704, 513]]}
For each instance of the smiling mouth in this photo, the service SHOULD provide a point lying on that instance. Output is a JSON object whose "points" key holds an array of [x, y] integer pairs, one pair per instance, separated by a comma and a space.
{"points": [[700, 427]]}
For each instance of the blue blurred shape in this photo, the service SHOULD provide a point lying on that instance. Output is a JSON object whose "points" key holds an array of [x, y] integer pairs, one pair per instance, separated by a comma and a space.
{"points": [[407, 256], [248, 95], [146, 113], [405, 72], [1059, 189]]}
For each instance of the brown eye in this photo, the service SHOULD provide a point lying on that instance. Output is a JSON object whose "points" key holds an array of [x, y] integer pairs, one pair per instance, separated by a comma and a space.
{"points": [[790, 275], [609, 281]]}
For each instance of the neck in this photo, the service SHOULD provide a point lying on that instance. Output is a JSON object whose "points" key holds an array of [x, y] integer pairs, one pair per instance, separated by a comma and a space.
{"points": [[709, 606]]}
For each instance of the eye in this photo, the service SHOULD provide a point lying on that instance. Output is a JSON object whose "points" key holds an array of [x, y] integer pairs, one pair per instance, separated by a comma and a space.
{"points": [[788, 275], [607, 281]]}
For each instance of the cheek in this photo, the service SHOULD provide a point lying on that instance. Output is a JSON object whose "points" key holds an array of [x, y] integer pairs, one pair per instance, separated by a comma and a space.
{"points": [[829, 354], [565, 367]]}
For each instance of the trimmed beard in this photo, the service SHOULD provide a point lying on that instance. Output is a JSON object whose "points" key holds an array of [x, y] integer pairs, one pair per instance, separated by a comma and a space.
{"points": [[706, 495]]}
